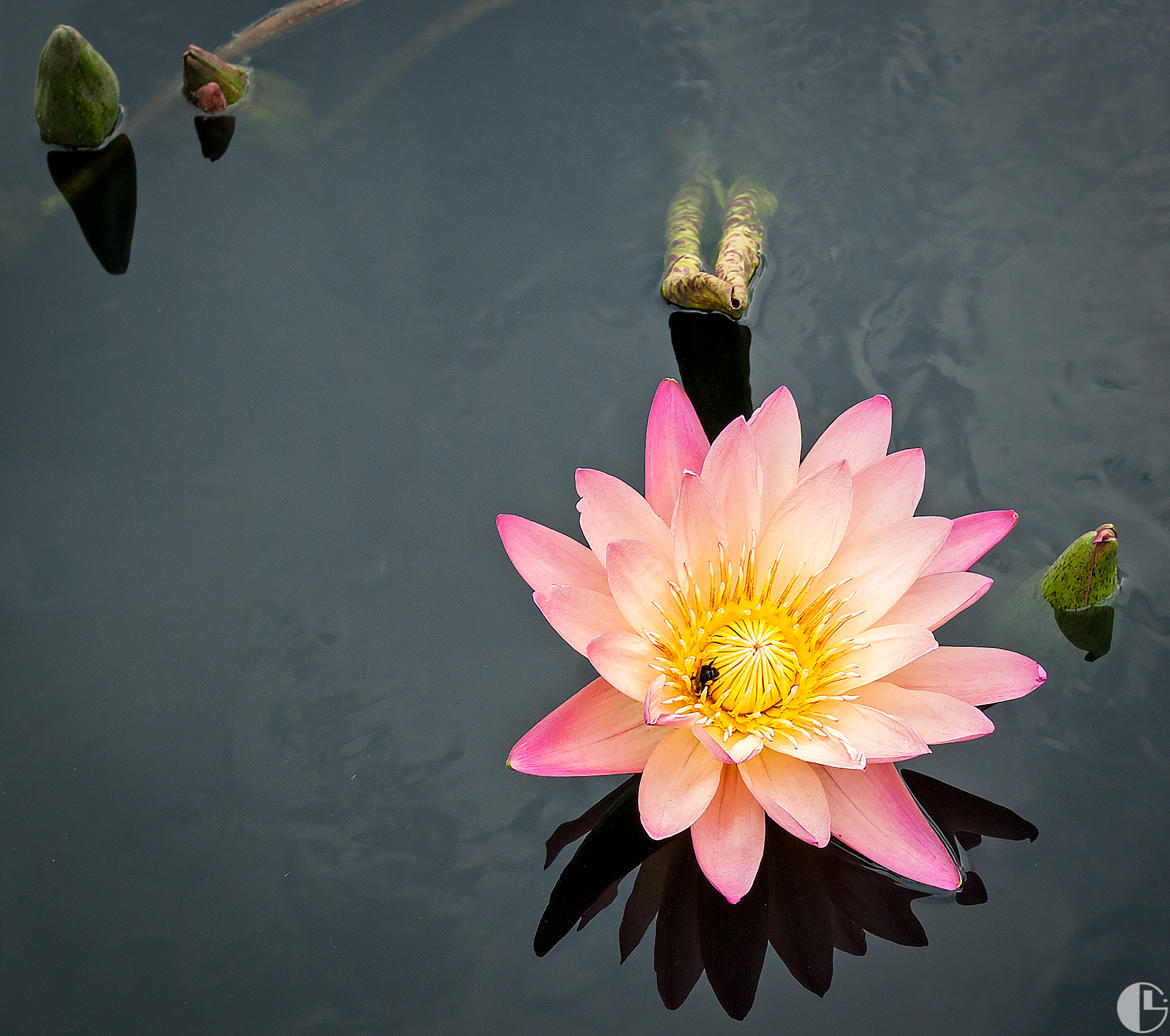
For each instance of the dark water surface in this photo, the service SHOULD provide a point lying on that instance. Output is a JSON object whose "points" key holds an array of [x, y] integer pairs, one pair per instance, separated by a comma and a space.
{"points": [[261, 654]]}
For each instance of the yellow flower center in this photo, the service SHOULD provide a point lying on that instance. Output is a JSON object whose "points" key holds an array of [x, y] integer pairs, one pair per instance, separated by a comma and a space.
{"points": [[749, 657]]}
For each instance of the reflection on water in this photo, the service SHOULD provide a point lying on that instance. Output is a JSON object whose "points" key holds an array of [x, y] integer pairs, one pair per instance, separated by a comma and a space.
{"points": [[1090, 629], [805, 902], [215, 134], [101, 188], [714, 365]]}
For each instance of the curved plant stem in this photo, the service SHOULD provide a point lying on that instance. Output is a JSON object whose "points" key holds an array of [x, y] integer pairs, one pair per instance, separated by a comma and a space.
{"points": [[277, 24], [685, 283], [749, 207]]}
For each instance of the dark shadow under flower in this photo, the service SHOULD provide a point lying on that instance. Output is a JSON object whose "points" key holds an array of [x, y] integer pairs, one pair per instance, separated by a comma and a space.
{"points": [[806, 901]]}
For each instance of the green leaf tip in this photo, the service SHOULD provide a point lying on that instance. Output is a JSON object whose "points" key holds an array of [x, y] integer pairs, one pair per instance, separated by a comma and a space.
{"points": [[1085, 574], [76, 95]]}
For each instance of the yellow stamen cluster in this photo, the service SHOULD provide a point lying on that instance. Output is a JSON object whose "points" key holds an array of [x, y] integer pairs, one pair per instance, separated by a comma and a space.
{"points": [[745, 656]]}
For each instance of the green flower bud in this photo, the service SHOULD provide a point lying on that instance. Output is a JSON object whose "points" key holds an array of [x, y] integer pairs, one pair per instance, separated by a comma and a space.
{"points": [[1085, 573], [76, 98], [201, 68]]}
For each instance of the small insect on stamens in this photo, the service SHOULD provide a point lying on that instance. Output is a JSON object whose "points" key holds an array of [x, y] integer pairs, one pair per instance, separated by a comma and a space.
{"points": [[708, 674]]}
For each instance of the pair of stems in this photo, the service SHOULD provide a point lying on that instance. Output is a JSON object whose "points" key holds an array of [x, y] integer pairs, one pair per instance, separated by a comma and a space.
{"points": [[686, 282]]}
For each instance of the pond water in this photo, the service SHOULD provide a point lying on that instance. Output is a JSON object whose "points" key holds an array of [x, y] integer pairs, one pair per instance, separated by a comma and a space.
{"points": [[262, 656]]}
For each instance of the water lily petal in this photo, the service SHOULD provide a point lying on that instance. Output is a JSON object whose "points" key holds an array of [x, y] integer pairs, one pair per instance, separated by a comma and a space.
{"points": [[885, 492], [732, 473], [970, 538], [736, 749], [579, 615], [882, 738], [791, 794], [656, 712], [824, 750], [976, 675], [675, 442], [807, 528], [884, 649], [624, 660], [872, 811], [698, 529], [882, 567], [597, 731], [611, 510], [938, 718], [544, 557], [933, 600], [860, 436], [678, 782], [776, 428], [639, 575], [729, 838]]}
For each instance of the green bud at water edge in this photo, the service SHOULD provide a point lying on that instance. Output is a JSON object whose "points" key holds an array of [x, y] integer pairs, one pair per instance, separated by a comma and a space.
{"points": [[1085, 573], [76, 97]]}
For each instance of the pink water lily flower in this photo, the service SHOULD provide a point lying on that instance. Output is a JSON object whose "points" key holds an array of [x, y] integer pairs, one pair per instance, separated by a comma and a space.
{"points": [[762, 630]]}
